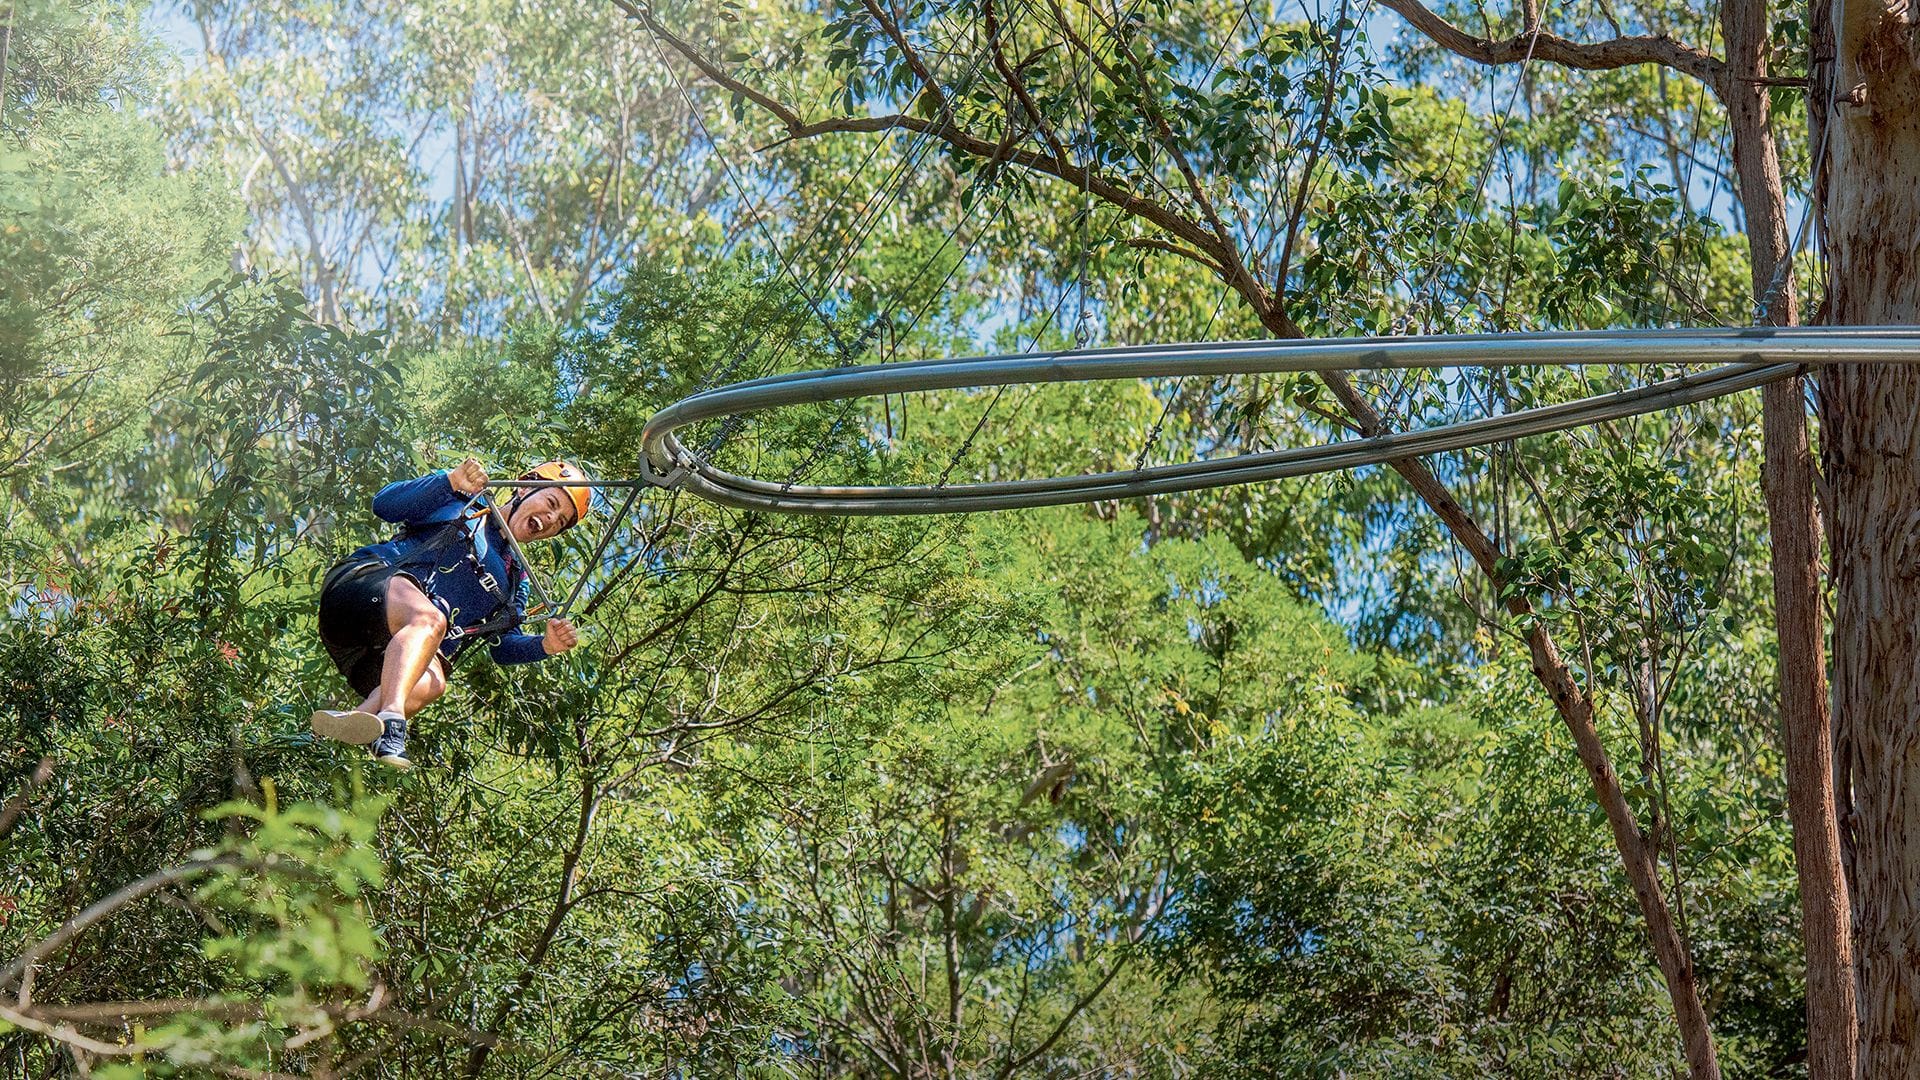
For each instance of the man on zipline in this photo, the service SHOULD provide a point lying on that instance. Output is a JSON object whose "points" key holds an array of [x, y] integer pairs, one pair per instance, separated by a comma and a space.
{"points": [[394, 616]]}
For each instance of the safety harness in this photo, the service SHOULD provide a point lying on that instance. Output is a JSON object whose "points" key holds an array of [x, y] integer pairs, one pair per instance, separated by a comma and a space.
{"points": [[440, 536]]}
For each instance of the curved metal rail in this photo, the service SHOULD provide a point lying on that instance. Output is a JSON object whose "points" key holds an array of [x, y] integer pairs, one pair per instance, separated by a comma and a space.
{"points": [[1746, 358]]}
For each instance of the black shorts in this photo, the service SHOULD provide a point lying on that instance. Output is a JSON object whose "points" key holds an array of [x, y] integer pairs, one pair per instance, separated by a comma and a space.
{"points": [[353, 619]]}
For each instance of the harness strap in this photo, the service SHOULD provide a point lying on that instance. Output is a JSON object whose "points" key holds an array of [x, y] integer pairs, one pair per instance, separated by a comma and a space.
{"points": [[444, 535]]}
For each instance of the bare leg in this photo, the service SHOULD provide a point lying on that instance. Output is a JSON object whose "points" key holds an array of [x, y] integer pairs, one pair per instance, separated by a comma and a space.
{"points": [[418, 628], [433, 683]]}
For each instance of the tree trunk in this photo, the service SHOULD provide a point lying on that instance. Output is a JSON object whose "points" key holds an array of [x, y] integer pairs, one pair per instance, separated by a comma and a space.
{"points": [[6, 40], [1806, 728], [1638, 855], [1871, 447], [1807, 735]]}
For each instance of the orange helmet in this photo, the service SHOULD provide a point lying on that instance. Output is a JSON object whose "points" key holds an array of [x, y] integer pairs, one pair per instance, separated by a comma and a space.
{"points": [[566, 470]]}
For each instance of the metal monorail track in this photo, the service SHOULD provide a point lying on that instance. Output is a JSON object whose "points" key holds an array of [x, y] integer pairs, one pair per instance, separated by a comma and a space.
{"points": [[1743, 359]]}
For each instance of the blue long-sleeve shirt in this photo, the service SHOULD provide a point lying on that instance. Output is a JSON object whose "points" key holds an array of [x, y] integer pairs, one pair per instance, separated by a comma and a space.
{"points": [[455, 585]]}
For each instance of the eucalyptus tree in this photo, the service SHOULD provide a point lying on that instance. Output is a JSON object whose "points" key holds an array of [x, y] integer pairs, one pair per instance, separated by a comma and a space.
{"points": [[99, 241], [1867, 418], [1269, 156], [615, 869], [446, 171], [561, 864]]}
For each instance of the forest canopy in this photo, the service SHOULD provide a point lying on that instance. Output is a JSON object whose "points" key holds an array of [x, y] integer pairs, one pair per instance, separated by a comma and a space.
{"points": [[1259, 780]]}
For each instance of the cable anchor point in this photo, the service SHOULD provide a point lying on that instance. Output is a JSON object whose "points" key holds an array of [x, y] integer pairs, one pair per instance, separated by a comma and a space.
{"points": [[672, 478]]}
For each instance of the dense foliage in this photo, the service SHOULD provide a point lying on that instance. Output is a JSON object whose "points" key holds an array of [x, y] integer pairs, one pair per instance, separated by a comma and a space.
{"points": [[1251, 782]]}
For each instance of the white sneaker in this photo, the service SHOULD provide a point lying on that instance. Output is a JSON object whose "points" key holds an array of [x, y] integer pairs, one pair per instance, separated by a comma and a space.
{"points": [[348, 726]]}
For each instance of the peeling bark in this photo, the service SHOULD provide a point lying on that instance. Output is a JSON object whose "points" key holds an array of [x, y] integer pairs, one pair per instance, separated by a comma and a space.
{"points": [[1871, 449]]}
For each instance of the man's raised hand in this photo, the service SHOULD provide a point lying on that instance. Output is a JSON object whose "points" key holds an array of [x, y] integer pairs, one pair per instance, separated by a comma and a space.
{"points": [[560, 637], [468, 478]]}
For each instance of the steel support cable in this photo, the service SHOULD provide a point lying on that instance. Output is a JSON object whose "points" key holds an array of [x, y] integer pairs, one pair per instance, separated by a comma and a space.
{"points": [[913, 152], [918, 314], [1748, 357], [1089, 162], [799, 470], [887, 314], [1226, 290], [917, 149], [1502, 119], [966, 445], [740, 190], [786, 265], [877, 204], [851, 238], [887, 192]]}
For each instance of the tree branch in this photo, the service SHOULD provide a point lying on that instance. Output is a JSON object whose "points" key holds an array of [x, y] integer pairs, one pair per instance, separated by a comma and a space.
{"points": [[644, 16], [6, 39], [100, 909], [1010, 74], [1066, 1021], [1305, 189], [919, 67], [1590, 56], [66, 1035], [798, 127], [1148, 243], [562, 905], [1571, 700], [17, 805]]}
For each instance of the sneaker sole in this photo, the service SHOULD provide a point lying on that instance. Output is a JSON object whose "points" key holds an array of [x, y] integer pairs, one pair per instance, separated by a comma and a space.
{"points": [[394, 761], [351, 726]]}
